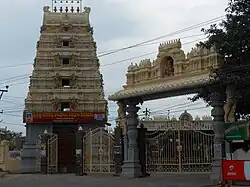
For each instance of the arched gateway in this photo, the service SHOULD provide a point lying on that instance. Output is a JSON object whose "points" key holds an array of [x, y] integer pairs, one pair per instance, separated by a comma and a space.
{"points": [[172, 74]]}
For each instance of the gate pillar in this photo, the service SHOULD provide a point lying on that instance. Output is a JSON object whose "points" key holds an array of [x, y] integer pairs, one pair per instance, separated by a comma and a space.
{"points": [[80, 152], [131, 167], [142, 150], [217, 102], [119, 157]]}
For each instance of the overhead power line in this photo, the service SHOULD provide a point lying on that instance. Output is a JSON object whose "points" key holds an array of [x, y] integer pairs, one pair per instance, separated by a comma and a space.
{"points": [[230, 70], [15, 78], [220, 18], [132, 46], [158, 42], [111, 120], [147, 42], [25, 76], [16, 65]]}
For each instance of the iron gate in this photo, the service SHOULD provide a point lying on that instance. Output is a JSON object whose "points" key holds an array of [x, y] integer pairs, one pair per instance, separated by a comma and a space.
{"points": [[47, 147], [99, 151], [181, 147], [52, 153]]}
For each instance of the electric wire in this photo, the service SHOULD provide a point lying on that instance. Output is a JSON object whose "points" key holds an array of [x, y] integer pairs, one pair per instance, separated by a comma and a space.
{"points": [[220, 18], [233, 69], [25, 64], [22, 125], [119, 50], [147, 42], [24, 76]]}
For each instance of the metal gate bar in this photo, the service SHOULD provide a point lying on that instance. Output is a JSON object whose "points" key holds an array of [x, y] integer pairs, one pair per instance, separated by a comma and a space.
{"points": [[183, 147], [52, 153], [99, 151]]}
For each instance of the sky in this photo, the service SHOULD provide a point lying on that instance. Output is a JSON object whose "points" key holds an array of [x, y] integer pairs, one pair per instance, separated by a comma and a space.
{"points": [[117, 24]]}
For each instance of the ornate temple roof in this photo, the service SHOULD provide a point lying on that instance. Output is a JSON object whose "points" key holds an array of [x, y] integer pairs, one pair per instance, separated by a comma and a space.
{"points": [[172, 73]]}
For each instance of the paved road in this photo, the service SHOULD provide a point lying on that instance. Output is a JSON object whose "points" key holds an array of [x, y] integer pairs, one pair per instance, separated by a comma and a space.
{"points": [[105, 180]]}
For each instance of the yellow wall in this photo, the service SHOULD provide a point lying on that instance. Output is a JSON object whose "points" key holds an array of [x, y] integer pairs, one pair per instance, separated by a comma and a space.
{"points": [[6, 164]]}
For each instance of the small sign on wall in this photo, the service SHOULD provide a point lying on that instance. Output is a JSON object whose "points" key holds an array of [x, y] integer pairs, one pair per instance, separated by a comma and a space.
{"points": [[236, 131], [99, 117]]}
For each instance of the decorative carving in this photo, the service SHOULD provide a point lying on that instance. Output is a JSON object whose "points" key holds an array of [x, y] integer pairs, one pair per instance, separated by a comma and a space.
{"points": [[91, 30], [121, 114], [49, 96], [46, 85], [42, 28], [73, 42], [230, 105], [73, 104], [37, 44], [46, 9], [57, 81], [35, 62], [66, 27], [56, 103], [73, 60], [73, 79], [168, 67], [186, 116], [171, 61], [86, 14], [58, 42], [58, 59]]}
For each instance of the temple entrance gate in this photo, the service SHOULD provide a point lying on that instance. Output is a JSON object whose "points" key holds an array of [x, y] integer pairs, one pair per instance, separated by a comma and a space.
{"points": [[99, 151], [180, 147], [47, 152], [52, 156], [164, 77]]}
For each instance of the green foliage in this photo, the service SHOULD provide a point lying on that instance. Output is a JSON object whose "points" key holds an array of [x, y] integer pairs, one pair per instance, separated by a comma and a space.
{"points": [[11, 136], [6, 134], [232, 40]]}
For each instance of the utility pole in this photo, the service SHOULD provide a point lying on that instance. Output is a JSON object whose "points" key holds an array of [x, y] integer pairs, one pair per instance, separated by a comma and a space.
{"points": [[1, 95], [168, 114], [3, 91], [147, 113]]}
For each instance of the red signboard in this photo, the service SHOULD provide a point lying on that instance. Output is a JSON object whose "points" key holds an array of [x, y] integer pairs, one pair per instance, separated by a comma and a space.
{"points": [[63, 117], [235, 170]]}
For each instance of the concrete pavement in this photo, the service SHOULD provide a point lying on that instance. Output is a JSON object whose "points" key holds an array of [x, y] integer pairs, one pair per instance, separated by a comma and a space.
{"points": [[105, 180]]}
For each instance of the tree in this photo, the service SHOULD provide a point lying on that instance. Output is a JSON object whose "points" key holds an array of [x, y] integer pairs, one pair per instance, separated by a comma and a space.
{"points": [[11, 136], [232, 40]]}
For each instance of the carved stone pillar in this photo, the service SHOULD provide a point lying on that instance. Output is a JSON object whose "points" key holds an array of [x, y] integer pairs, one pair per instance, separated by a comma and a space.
{"points": [[217, 99], [131, 167], [121, 114], [125, 142], [230, 104]]}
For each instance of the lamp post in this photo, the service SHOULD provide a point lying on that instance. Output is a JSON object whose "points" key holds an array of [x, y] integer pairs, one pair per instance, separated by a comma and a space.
{"points": [[80, 152]]}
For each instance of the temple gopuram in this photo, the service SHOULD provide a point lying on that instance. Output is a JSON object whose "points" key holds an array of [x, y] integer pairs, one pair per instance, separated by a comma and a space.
{"points": [[66, 87]]}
